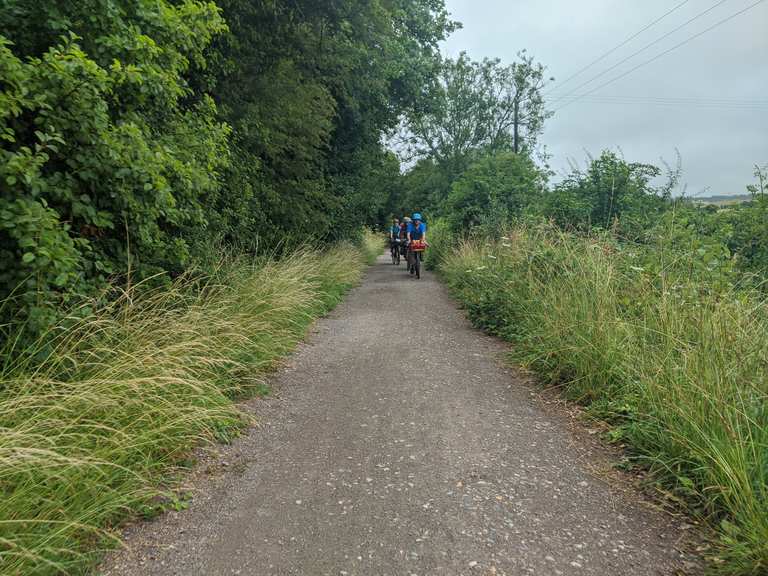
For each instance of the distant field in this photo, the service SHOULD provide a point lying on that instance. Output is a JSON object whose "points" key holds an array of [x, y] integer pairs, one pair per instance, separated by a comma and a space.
{"points": [[723, 200]]}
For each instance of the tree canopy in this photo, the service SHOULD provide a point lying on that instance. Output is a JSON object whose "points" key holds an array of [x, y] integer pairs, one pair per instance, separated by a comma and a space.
{"points": [[138, 135], [480, 107], [475, 109]]}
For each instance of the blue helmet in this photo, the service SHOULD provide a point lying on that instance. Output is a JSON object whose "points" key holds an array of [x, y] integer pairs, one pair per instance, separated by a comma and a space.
{"points": [[416, 216]]}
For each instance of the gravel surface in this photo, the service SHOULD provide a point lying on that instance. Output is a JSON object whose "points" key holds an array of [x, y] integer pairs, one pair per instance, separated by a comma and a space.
{"points": [[398, 442]]}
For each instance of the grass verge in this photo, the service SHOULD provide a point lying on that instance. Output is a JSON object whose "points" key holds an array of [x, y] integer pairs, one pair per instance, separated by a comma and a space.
{"points": [[678, 366], [372, 245], [90, 433]]}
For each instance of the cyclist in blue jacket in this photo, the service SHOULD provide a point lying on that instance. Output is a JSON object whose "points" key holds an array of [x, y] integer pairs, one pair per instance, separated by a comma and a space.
{"points": [[394, 241], [416, 230], [394, 230]]}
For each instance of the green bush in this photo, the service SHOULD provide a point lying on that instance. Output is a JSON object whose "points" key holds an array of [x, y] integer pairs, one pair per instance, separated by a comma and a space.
{"points": [[107, 154], [749, 237], [611, 194], [492, 191]]}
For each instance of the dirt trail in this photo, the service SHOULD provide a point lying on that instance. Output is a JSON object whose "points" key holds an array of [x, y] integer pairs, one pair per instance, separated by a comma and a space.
{"points": [[353, 470]]}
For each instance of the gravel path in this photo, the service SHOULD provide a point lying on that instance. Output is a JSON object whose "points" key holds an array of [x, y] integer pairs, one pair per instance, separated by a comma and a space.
{"points": [[354, 469]]}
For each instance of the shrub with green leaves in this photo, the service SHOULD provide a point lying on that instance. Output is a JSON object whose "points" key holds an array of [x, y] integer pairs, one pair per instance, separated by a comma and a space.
{"points": [[749, 225], [493, 191], [107, 153], [610, 193]]}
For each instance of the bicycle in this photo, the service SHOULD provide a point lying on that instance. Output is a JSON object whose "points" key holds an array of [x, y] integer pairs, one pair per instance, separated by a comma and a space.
{"points": [[394, 250], [416, 254]]}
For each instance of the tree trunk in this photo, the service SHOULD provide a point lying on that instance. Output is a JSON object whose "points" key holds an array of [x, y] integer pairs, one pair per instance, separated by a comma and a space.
{"points": [[516, 127]]}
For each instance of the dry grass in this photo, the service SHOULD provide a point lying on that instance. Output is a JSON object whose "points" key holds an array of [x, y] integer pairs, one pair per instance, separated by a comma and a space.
{"points": [[89, 434], [678, 366]]}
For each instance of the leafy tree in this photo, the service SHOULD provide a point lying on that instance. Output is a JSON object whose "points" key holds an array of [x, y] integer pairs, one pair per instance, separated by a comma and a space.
{"points": [[494, 190], [309, 88], [137, 134], [378, 197], [480, 107], [426, 184]]}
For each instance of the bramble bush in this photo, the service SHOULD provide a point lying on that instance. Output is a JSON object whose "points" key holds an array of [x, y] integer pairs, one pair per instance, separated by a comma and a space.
{"points": [[107, 154]]}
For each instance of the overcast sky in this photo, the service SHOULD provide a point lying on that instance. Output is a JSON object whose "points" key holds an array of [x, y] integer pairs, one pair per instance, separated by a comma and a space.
{"points": [[720, 128]]}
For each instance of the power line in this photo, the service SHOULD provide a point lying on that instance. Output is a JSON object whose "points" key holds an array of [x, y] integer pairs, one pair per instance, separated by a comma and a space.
{"points": [[682, 103], [673, 103], [687, 100], [624, 43], [676, 98], [749, 109], [644, 48], [700, 105], [675, 47]]}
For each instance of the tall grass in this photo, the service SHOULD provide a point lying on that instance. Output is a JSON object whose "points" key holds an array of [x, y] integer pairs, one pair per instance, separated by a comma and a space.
{"points": [[372, 245], [680, 368], [93, 431]]}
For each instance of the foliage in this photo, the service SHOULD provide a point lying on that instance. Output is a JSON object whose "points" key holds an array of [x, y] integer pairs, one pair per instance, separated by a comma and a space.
{"points": [[610, 193], [749, 239], [675, 361], [479, 108], [730, 239], [136, 136], [380, 192], [493, 191], [106, 152], [309, 88], [147, 378], [425, 185]]}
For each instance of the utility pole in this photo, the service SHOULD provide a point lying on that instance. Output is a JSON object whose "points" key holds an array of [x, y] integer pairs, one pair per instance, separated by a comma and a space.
{"points": [[515, 124]]}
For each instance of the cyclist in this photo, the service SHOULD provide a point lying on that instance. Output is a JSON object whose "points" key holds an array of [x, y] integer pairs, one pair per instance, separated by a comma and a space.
{"points": [[394, 240], [416, 230], [404, 235], [394, 230]]}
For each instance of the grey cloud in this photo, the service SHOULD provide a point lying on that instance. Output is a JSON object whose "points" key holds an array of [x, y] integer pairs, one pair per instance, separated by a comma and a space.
{"points": [[719, 145]]}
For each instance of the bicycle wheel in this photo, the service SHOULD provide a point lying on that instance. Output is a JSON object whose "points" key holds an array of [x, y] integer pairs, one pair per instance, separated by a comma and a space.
{"points": [[417, 265]]}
